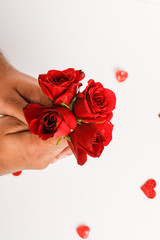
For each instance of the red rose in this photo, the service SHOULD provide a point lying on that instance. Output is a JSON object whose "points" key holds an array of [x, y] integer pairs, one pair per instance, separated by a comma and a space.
{"points": [[105, 129], [90, 139], [49, 121], [95, 104], [61, 86]]}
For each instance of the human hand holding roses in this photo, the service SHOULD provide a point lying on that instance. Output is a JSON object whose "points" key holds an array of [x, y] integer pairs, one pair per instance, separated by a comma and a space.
{"points": [[17, 90], [21, 150], [81, 117]]}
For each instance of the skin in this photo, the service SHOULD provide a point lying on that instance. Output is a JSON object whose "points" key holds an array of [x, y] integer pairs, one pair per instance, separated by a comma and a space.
{"points": [[19, 148]]}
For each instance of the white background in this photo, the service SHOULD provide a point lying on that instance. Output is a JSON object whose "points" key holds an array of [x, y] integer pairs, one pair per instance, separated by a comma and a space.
{"points": [[97, 36]]}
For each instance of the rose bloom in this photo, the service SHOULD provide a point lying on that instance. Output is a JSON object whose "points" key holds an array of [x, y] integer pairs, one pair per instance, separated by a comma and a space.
{"points": [[95, 103], [90, 139], [49, 121], [61, 86]]}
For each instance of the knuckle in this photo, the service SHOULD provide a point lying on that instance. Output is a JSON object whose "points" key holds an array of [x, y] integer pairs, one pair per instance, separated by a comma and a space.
{"points": [[12, 100]]}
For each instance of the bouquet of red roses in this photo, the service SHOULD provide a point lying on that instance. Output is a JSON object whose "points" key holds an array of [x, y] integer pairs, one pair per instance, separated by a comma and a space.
{"points": [[83, 118]]}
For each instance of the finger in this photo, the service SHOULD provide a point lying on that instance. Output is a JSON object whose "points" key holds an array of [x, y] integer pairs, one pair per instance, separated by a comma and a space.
{"points": [[51, 143], [14, 105], [48, 149], [65, 153], [9, 125], [31, 91], [62, 147]]}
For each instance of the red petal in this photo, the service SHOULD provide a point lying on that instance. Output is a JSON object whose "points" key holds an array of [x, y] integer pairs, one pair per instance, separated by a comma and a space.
{"points": [[32, 111], [79, 154], [82, 110], [63, 130], [68, 116], [67, 96], [45, 88], [82, 157], [34, 125], [42, 77], [111, 99], [17, 173], [107, 128], [51, 91], [83, 142], [100, 118], [69, 71], [79, 75]]}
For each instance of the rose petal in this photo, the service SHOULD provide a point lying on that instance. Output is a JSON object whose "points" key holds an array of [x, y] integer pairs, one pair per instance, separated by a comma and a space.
{"points": [[32, 111], [81, 157], [67, 96], [17, 173], [68, 116], [63, 130]]}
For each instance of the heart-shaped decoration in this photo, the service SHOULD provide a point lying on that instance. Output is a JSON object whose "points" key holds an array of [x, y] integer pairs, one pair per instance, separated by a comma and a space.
{"points": [[148, 188], [83, 231], [121, 75]]}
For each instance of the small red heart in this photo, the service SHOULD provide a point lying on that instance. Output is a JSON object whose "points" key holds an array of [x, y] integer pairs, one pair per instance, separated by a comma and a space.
{"points": [[148, 188], [121, 75], [83, 231], [17, 173]]}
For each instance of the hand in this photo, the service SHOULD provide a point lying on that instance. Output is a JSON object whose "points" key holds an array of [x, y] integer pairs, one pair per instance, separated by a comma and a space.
{"points": [[17, 90], [22, 150]]}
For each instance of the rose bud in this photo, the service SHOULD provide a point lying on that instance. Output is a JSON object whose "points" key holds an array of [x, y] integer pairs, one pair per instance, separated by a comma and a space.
{"points": [[95, 103], [49, 121], [61, 86]]}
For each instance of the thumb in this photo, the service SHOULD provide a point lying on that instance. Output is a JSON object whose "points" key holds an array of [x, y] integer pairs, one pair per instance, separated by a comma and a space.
{"points": [[31, 92], [27, 91]]}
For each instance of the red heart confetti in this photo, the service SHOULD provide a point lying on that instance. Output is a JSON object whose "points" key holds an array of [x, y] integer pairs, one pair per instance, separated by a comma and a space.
{"points": [[83, 231], [17, 173], [121, 75], [148, 188], [159, 115]]}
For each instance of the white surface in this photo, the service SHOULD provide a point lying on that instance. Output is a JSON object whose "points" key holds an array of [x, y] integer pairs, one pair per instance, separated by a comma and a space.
{"points": [[96, 36]]}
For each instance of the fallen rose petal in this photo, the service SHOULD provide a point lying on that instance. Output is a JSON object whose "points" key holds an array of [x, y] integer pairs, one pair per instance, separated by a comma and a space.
{"points": [[17, 173]]}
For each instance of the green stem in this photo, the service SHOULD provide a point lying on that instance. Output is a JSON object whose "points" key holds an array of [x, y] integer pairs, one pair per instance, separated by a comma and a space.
{"points": [[65, 105]]}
